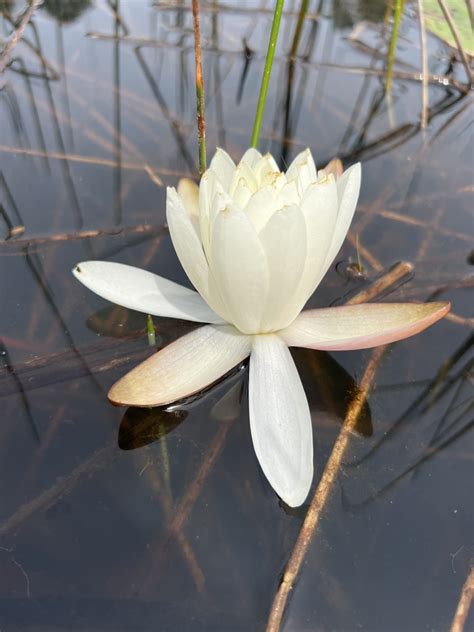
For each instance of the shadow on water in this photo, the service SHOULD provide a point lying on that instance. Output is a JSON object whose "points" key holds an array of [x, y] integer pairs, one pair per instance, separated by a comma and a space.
{"points": [[161, 519]]}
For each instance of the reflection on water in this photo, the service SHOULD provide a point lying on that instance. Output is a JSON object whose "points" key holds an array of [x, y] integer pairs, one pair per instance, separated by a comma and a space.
{"points": [[161, 519]]}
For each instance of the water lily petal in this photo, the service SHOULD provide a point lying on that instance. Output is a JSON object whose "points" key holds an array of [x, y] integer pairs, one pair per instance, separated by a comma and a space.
{"points": [[348, 187], [284, 242], [188, 191], [266, 170], [320, 209], [361, 326], [144, 291], [223, 166], [243, 175], [280, 421], [186, 241], [251, 157], [239, 267], [261, 207], [302, 170], [184, 367]]}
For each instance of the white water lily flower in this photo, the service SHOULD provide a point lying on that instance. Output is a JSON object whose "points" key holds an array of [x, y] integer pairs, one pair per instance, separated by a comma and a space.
{"points": [[255, 243]]}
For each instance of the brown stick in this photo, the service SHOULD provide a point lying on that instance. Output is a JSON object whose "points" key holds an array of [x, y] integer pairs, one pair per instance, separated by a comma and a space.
{"points": [[91, 160], [321, 496], [18, 244], [424, 67], [17, 35], [464, 604], [200, 100], [457, 37], [394, 275], [98, 460], [332, 468]]}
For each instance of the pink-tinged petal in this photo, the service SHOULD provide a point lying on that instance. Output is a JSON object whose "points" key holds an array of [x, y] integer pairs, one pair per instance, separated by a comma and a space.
{"points": [[184, 367], [280, 421], [334, 166], [361, 326], [144, 291]]}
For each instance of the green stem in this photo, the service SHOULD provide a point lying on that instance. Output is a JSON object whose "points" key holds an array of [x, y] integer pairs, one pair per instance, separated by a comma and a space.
{"points": [[397, 18], [266, 73]]}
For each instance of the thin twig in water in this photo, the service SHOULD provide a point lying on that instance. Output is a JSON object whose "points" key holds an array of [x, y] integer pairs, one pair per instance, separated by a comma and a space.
{"points": [[322, 494], [393, 276], [332, 468], [464, 604], [457, 38], [17, 35], [200, 100], [424, 67]]}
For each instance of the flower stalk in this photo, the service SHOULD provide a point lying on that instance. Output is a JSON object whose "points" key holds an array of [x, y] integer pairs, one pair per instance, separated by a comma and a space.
{"points": [[200, 98], [397, 18], [267, 71]]}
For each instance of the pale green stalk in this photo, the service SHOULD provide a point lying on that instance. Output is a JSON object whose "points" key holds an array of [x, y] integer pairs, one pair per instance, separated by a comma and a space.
{"points": [[397, 18], [266, 73]]}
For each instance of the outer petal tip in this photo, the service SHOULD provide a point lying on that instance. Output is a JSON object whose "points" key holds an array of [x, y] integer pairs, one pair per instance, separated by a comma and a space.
{"points": [[183, 368], [296, 496], [362, 326]]}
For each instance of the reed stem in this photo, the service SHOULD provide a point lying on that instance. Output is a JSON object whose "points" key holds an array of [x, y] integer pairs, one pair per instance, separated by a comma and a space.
{"points": [[266, 73], [200, 100]]}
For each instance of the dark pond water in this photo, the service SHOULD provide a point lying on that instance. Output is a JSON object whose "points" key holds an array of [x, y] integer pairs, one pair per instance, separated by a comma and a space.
{"points": [[114, 519]]}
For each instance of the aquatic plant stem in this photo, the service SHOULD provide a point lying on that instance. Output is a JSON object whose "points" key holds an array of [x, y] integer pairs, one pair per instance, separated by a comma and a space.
{"points": [[424, 67], [266, 73], [397, 18], [200, 100], [299, 28]]}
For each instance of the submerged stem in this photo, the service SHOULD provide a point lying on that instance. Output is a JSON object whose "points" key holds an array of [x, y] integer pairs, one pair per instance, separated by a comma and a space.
{"points": [[266, 73], [397, 18]]}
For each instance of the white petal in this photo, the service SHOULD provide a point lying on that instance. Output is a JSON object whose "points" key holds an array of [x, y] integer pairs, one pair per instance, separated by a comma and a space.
{"points": [[251, 157], [223, 166], [348, 187], [288, 195], [184, 367], [284, 242], [188, 191], [280, 420], [361, 326], [239, 267], [319, 207], [144, 291], [302, 170], [189, 249], [261, 207], [186, 241], [267, 172], [243, 174]]}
